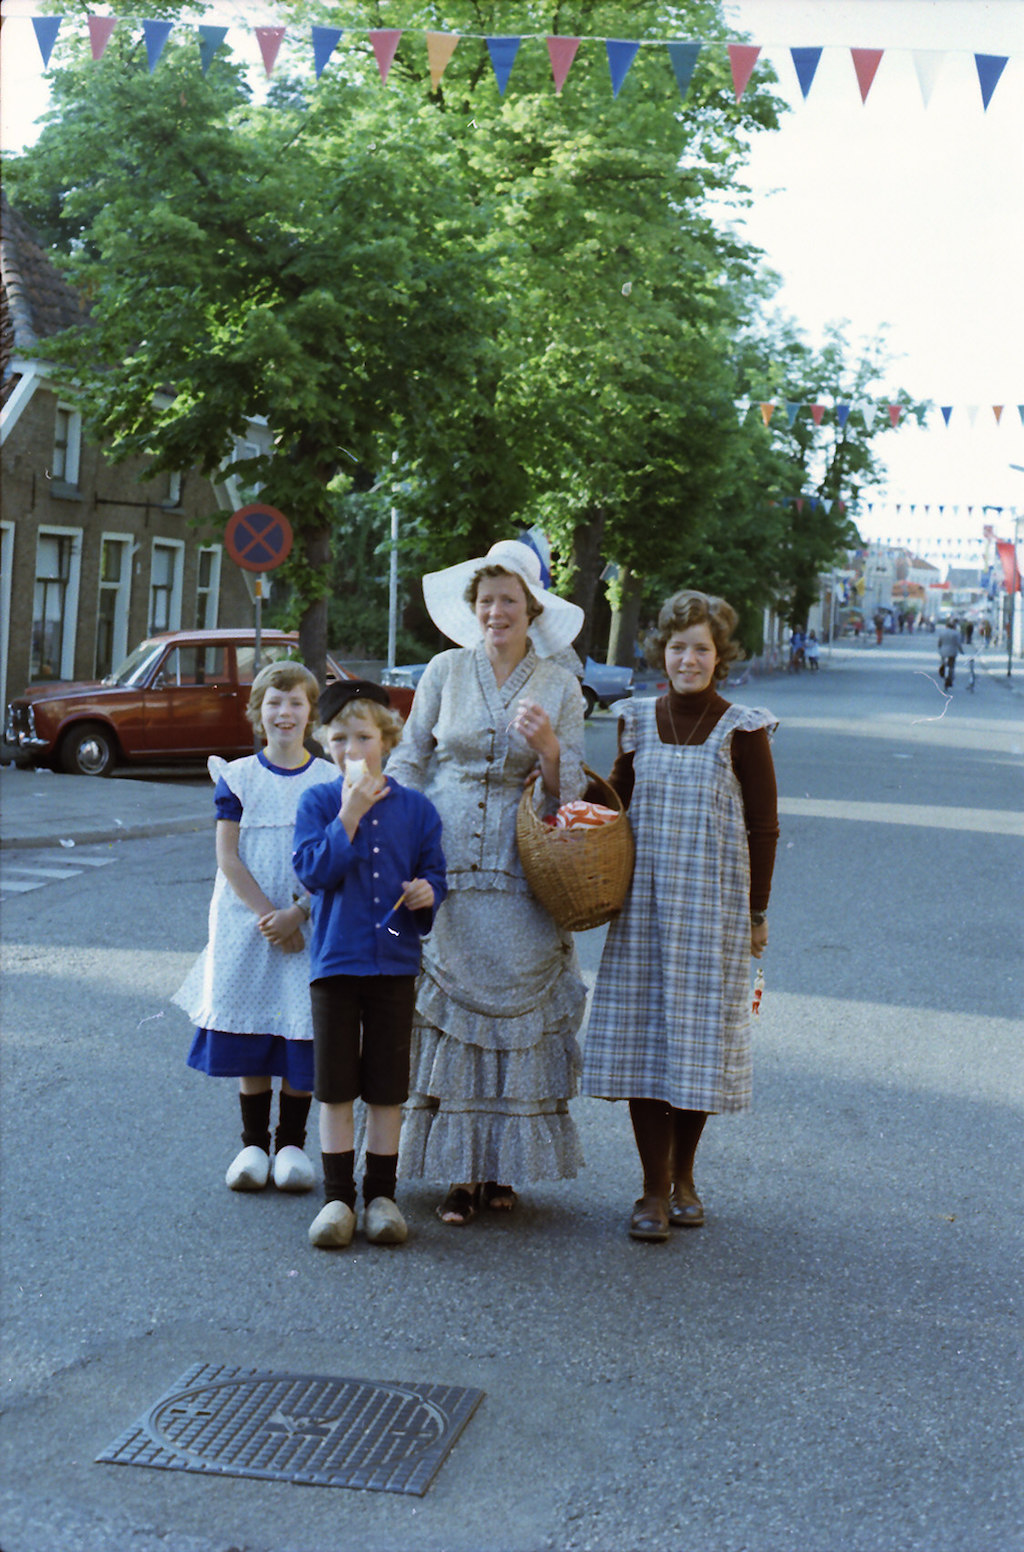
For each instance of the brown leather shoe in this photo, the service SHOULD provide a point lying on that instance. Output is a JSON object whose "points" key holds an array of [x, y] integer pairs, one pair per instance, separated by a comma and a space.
{"points": [[649, 1219], [685, 1209]]}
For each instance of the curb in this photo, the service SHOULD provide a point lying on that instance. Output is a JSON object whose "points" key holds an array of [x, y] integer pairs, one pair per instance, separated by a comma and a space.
{"points": [[128, 832]]}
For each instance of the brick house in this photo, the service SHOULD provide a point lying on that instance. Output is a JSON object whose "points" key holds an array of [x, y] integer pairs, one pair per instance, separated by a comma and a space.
{"points": [[94, 556]]}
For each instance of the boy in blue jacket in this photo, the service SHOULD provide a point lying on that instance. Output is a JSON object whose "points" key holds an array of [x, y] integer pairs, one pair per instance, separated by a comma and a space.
{"points": [[369, 852]]}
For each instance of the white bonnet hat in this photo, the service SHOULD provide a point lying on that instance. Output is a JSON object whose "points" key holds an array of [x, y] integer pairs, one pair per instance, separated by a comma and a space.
{"points": [[444, 595]]}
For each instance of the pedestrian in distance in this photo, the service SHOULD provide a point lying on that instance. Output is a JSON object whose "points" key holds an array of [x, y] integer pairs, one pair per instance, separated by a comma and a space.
{"points": [[950, 646], [500, 1000], [669, 1027], [812, 652], [369, 851], [248, 993], [797, 649]]}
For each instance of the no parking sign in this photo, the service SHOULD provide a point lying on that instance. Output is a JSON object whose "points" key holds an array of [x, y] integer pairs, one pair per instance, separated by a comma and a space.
{"points": [[258, 537]]}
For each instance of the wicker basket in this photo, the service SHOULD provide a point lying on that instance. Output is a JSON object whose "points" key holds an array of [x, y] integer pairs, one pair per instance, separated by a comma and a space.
{"points": [[581, 876]]}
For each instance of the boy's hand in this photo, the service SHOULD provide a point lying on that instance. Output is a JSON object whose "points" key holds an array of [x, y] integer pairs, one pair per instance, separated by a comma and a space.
{"points": [[358, 799], [419, 895]]}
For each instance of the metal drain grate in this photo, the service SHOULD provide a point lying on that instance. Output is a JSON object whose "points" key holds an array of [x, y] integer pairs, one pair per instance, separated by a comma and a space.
{"points": [[299, 1428]]}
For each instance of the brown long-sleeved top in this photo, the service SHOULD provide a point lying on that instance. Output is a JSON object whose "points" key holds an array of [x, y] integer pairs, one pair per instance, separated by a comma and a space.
{"points": [[751, 761]]}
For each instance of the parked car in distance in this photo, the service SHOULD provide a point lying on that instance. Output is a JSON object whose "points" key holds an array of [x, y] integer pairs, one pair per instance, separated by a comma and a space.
{"points": [[602, 683], [181, 695]]}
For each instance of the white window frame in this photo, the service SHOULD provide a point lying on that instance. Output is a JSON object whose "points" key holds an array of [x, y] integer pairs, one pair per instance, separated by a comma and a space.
{"points": [[177, 570], [122, 606], [208, 599], [66, 669], [72, 455], [173, 497], [6, 572]]}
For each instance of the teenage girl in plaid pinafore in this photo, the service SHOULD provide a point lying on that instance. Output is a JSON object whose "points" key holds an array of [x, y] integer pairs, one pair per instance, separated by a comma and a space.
{"points": [[669, 1028]]}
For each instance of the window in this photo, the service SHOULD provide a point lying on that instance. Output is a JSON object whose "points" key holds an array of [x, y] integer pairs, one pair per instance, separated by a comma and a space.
{"points": [[55, 603], [248, 485], [112, 608], [67, 446], [187, 666], [207, 586], [165, 585], [173, 496]]}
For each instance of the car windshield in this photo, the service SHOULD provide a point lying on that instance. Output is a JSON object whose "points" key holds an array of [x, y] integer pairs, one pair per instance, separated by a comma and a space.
{"points": [[135, 668]]}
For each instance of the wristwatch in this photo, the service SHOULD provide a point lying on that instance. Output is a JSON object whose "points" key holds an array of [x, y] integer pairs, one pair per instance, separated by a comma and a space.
{"points": [[758, 918], [304, 904]]}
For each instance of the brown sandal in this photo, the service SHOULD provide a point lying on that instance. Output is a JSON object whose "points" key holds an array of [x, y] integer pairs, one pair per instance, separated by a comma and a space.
{"points": [[499, 1198], [461, 1205]]}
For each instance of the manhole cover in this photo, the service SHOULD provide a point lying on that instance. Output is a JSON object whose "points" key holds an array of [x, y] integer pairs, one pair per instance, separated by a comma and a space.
{"points": [[299, 1428]]}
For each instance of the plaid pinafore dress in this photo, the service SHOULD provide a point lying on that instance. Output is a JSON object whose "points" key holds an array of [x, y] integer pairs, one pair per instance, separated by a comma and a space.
{"points": [[670, 1018]]}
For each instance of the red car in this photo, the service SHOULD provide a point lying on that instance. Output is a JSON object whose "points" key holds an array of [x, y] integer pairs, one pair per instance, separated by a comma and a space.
{"points": [[181, 695]]}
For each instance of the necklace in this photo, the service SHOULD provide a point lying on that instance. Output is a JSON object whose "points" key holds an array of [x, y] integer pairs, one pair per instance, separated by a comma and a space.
{"points": [[682, 742]]}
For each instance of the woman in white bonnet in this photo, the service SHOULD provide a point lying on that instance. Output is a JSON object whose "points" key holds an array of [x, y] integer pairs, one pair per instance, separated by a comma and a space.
{"points": [[500, 1000]]}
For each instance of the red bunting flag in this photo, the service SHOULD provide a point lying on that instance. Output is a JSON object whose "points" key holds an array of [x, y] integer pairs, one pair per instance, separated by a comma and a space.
{"points": [[100, 28], [385, 42], [895, 411], [742, 59], [269, 40], [767, 411], [817, 412], [561, 52], [866, 63], [997, 410]]}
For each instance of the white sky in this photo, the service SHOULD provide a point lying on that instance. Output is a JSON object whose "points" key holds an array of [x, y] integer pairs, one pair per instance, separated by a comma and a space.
{"points": [[881, 213]]}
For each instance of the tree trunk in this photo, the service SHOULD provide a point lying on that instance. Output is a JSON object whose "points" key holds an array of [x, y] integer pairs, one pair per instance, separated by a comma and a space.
{"points": [[626, 620], [587, 565], [313, 625]]}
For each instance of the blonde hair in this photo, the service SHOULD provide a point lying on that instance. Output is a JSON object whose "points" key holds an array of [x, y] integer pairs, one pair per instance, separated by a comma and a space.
{"points": [[688, 608], [282, 676], [384, 717]]}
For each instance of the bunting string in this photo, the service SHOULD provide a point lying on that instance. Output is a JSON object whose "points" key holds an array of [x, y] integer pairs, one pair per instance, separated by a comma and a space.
{"points": [[897, 414], [620, 53]]}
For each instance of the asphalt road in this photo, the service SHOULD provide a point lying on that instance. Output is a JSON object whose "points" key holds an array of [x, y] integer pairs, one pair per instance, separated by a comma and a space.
{"points": [[831, 1365]]}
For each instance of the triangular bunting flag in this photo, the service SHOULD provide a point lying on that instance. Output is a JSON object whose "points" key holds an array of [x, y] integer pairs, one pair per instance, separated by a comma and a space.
{"points": [[269, 40], [843, 414], [385, 42], [1020, 412], [325, 41], [972, 414], [503, 53], [440, 48], [842, 506], [684, 61], [947, 410], [895, 411], [927, 63], [805, 63], [869, 411], [817, 413], [621, 55], [210, 40], [799, 503], [828, 504], [100, 28], [46, 30], [742, 59], [156, 35], [990, 68], [997, 410], [767, 411], [866, 62], [742, 407], [792, 411], [561, 52]]}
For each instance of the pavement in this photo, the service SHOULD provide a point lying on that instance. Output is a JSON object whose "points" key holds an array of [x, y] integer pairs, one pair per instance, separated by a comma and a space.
{"points": [[39, 808]]}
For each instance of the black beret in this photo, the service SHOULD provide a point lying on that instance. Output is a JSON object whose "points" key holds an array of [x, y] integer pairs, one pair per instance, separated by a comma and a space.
{"points": [[338, 694]]}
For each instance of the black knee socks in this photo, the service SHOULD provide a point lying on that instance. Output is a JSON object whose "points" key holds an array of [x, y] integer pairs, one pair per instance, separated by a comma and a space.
{"points": [[292, 1112], [381, 1175], [339, 1177], [256, 1119]]}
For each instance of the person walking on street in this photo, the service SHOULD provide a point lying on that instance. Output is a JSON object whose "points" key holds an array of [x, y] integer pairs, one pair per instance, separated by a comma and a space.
{"points": [[669, 1028], [950, 646]]}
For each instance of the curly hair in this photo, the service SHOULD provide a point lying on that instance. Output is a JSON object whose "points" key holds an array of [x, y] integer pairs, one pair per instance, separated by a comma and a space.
{"points": [[534, 610], [383, 717], [688, 608], [286, 675]]}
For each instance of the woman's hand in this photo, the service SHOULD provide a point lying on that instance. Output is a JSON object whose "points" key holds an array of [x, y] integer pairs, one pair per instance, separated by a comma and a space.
{"points": [[419, 895], [533, 724], [758, 939]]}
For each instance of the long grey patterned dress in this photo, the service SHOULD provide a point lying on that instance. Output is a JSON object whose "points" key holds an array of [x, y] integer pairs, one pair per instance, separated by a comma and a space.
{"points": [[500, 999], [670, 1018]]}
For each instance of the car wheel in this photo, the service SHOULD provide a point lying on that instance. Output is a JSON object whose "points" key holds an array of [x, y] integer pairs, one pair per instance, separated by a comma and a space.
{"points": [[88, 750], [591, 700]]}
